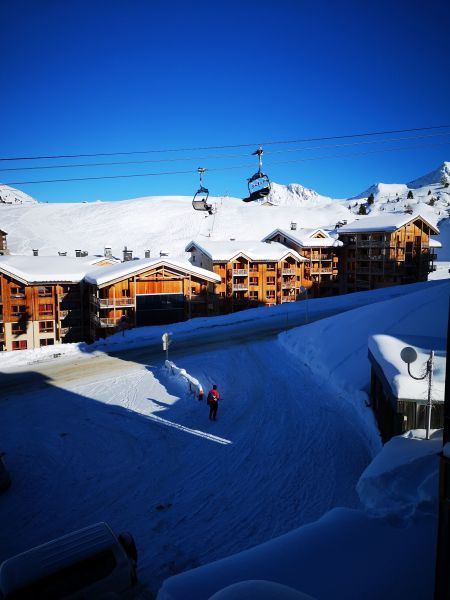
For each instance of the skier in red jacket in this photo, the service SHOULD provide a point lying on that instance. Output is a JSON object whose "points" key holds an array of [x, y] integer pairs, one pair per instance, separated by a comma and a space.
{"points": [[213, 401]]}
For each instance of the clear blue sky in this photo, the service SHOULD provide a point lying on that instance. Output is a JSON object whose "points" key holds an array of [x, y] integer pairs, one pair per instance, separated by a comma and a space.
{"points": [[115, 76]]}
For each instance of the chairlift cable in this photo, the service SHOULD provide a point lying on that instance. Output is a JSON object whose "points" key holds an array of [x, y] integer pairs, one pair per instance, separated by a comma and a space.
{"points": [[267, 143]]}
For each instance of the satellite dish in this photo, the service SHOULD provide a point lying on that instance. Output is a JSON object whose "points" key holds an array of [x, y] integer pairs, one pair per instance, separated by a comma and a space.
{"points": [[303, 289], [408, 355]]}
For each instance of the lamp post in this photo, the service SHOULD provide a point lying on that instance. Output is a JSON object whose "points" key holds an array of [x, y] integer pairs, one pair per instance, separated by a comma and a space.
{"points": [[409, 355], [305, 291]]}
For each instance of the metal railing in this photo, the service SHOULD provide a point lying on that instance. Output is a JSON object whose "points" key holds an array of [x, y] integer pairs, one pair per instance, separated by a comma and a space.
{"points": [[239, 287], [108, 302], [240, 272], [104, 322], [288, 285], [288, 272]]}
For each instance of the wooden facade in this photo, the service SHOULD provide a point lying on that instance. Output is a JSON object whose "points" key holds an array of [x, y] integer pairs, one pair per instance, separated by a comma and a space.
{"points": [[379, 258], [158, 293], [249, 282], [36, 315], [321, 253]]}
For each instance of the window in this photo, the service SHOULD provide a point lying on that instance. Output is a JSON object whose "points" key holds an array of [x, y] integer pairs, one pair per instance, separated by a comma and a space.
{"points": [[45, 292], [18, 328], [253, 281], [253, 295], [17, 310], [271, 281], [19, 345], [254, 267], [46, 327], [47, 342], [271, 266], [270, 294], [17, 292], [45, 309]]}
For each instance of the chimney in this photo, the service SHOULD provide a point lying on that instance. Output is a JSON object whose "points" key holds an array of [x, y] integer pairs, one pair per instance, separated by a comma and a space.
{"points": [[62, 253], [77, 253], [127, 254], [35, 252], [161, 253], [108, 252], [293, 225], [147, 254]]}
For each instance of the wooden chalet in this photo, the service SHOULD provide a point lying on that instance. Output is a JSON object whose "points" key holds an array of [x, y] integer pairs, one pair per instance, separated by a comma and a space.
{"points": [[147, 292], [385, 250], [321, 253], [251, 273], [398, 401]]}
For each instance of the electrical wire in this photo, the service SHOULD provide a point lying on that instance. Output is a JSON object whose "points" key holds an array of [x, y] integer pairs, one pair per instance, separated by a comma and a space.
{"points": [[267, 143], [221, 156], [246, 166]]}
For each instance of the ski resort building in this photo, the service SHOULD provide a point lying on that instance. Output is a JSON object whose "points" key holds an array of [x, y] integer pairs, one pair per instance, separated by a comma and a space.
{"points": [[251, 273], [42, 299], [147, 292], [386, 250], [399, 402], [321, 253]]}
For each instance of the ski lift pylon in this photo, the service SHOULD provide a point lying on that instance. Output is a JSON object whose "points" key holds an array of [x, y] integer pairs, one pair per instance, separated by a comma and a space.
{"points": [[259, 183], [199, 202]]}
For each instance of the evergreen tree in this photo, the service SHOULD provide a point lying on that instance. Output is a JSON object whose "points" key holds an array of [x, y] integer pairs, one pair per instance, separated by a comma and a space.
{"points": [[444, 180], [432, 201], [429, 192], [410, 195], [362, 210], [370, 200]]}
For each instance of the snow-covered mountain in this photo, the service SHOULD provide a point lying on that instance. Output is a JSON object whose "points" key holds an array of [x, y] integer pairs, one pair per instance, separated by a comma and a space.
{"points": [[168, 223], [9, 195], [433, 177]]}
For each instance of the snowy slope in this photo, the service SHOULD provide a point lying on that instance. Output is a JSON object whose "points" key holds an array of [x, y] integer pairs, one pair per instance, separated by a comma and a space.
{"points": [[9, 195]]}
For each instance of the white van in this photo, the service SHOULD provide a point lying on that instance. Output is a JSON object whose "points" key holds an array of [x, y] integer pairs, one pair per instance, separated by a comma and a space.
{"points": [[91, 563]]}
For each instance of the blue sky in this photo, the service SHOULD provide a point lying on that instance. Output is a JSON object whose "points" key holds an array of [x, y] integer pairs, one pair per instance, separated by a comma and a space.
{"points": [[94, 77]]}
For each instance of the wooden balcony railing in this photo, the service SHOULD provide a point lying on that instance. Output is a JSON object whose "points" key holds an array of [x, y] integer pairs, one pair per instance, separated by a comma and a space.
{"points": [[239, 287], [288, 285], [240, 272], [288, 272]]}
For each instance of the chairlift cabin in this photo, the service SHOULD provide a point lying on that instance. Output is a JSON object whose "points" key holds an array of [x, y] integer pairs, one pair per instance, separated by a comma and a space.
{"points": [[199, 202], [259, 183]]}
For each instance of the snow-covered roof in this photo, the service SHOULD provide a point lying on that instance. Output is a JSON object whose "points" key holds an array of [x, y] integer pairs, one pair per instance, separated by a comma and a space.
{"points": [[304, 237], [386, 349], [226, 251], [46, 269], [388, 223], [105, 275]]}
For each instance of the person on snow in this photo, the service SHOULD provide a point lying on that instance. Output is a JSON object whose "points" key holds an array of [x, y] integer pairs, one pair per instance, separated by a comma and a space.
{"points": [[213, 402]]}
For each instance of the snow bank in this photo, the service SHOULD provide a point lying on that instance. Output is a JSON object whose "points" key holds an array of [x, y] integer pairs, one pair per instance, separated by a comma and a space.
{"points": [[195, 387], [403, 478]]}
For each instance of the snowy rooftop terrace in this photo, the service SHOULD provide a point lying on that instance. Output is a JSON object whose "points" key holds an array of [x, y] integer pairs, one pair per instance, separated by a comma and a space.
{"points": [[386, 223], [386, 351], [257, 251], [304, 237], [46, 269]]}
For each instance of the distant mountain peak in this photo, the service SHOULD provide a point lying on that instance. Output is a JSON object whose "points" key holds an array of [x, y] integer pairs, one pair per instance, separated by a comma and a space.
{"points": [[9, 195]]}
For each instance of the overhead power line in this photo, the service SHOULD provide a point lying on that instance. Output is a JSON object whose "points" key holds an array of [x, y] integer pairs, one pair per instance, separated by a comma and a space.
{"points": [[259, 143], [246, 166], [220, 156]]}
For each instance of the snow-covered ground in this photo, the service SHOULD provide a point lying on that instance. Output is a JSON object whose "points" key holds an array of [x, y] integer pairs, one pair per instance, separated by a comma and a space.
{"points": [[131, 445]]}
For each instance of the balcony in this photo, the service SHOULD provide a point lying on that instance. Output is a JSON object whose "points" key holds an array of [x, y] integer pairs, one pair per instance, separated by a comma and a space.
{"points": [[112, 302], [288, 272], [239, 287], [104, 322], [371, 244], [66, 330], [240, 272], [288, 285]]}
